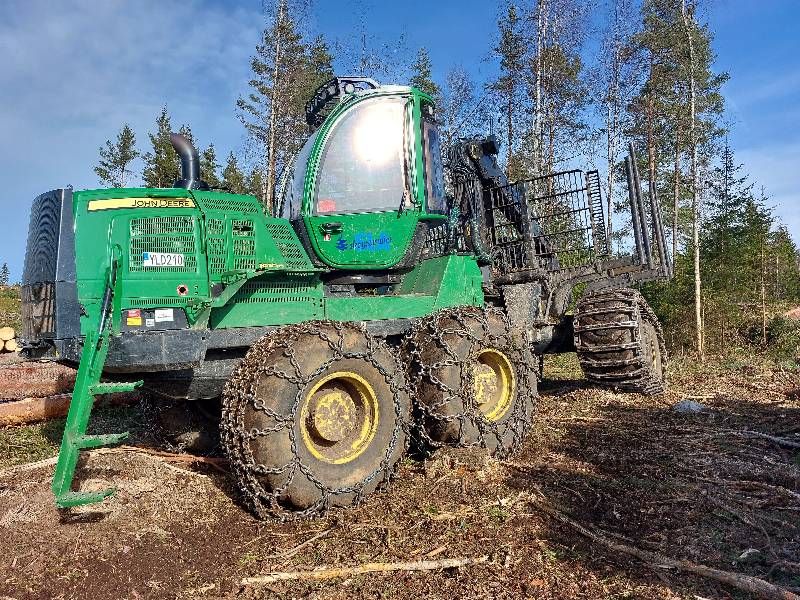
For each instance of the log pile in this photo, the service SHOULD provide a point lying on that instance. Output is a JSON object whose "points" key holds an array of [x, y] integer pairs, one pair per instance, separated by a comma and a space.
{"points": [[8, 340]]}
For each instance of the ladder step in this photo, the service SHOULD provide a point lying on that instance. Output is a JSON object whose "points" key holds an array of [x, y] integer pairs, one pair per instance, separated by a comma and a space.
{"points": [[110, 388], [95, 441], [79, 498]]}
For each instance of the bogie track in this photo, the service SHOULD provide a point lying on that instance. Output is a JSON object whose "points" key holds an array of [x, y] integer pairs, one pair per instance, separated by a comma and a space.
{"points": [[619, 341], [476, 381]]}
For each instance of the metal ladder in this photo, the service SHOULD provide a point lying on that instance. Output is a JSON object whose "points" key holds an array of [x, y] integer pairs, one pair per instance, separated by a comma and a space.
{"points": [[599, 232], [87, 386]]}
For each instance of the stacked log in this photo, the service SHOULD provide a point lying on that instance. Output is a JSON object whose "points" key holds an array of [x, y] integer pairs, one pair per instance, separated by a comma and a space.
{"points": [[35, 391], [24, 379], [8, 340]]}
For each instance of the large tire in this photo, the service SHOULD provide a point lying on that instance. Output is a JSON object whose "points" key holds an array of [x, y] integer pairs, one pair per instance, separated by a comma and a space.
{"points": [[619, 342], [316, 415], [476, 381]]}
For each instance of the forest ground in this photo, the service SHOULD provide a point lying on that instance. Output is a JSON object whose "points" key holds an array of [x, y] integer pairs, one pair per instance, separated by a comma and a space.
{"points": [[707, 487]]}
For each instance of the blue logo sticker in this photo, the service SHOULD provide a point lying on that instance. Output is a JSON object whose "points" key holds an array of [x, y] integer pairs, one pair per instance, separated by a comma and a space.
{"points": [[366, 242]]}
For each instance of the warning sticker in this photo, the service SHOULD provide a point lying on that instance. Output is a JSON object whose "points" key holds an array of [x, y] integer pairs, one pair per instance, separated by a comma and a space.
{"points": [[164, 314], [134, 317]]}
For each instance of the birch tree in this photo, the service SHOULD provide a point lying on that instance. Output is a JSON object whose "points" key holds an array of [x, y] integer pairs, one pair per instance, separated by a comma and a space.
{"points": [[688, 18], [285, 72], [459, 112], [617, 80]]}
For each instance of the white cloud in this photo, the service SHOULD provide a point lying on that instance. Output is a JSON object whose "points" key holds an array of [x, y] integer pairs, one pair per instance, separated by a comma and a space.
{"points": [[775, 166], [73, 72]]}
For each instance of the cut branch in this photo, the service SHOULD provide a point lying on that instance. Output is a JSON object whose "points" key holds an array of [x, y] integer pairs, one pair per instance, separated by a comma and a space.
{"points": [[338, 572], [753, 585]]}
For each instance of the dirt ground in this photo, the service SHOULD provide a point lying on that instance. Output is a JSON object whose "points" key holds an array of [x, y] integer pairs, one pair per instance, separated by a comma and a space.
{"points": [[704, 486]]}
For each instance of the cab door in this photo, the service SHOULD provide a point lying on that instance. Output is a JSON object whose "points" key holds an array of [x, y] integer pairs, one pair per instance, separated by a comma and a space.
{"points": [[360, 212]]}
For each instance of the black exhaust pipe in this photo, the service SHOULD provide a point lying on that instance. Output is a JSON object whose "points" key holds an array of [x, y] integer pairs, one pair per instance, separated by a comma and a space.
{"points": [[190, 164]]}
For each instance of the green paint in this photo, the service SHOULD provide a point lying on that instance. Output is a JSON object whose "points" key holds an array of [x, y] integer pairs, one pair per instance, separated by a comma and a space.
{"points": [[228, 265], [87, 385]]}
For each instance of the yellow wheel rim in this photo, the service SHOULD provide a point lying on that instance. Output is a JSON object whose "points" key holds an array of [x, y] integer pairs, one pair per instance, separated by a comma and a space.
{"points": [[494, 384], [339, 417]]}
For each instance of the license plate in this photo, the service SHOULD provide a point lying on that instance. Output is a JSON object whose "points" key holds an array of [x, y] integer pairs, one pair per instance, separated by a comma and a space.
{"points": [[162, 259]]}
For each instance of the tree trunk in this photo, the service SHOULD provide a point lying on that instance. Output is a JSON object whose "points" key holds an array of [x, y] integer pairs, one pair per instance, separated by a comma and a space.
{"points": [[510, 125], [695, 203], [651, 149], [677, 194], [538, 137], [763, 293], [612, 161], [273, 111]]}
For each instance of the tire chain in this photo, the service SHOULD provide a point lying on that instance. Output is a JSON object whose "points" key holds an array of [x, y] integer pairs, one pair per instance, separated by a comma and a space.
{"points": [[240, 392], [633, 303], [429, 330]]}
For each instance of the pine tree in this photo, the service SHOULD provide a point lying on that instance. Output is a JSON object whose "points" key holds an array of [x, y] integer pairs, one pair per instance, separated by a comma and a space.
{"points": [[783, 266], [511, 50], [274, 110], [209, 167], [232, 176], [113, 168], [318, 66], [5, 274], [254, 185], [162, 165], [422, 77]]}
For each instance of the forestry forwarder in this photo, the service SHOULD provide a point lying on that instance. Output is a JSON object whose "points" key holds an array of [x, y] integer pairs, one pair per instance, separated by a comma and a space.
{"points": [[311, 322]]}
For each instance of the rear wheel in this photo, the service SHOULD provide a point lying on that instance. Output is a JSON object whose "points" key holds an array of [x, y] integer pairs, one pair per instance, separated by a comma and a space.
{"points": [[314, 416], [475, 380], [619, 341]]}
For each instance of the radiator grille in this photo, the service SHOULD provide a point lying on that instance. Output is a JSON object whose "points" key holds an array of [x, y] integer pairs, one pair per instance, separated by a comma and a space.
{"points": [[38, 291], [215, 226], [173, 235]]}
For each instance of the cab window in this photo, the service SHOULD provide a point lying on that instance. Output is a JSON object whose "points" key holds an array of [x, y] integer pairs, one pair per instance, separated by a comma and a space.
{"points": [[434, 170], [362, 167]]}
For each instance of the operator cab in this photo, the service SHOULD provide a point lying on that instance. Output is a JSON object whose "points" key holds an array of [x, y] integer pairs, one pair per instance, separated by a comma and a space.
{"points": [[370, 172]]}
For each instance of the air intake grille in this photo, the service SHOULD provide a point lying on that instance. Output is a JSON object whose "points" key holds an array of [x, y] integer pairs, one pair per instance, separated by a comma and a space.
{"points": [[244, 244], [226, 205], [216, 246], [162, 225], [289, 246], [267, 289]]}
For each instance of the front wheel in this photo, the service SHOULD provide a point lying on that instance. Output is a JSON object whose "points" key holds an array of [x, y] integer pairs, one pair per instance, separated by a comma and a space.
{"points": [[314, 416]]}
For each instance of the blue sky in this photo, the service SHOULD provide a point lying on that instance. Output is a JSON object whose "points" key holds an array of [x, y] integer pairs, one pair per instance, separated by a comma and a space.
{"points": [[73, 71]]}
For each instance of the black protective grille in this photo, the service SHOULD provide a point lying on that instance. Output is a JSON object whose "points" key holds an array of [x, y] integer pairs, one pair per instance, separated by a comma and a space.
{"points": [[544, 223], [49, 293]]}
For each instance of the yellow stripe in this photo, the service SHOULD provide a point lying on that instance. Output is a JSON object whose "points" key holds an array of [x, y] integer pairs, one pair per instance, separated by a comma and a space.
{"points": [[141, 203]]}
